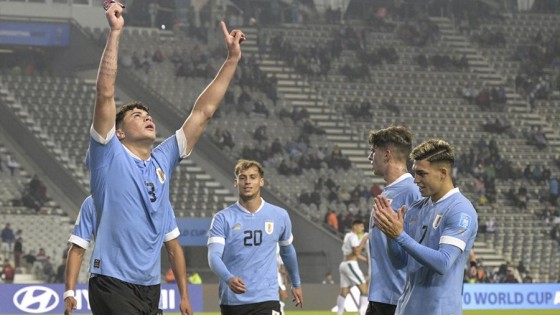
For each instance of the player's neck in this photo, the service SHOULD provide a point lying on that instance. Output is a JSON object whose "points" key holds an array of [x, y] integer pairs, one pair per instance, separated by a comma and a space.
{"points": [[252, 204], [446, 187], [394, 172], [140, 149]]}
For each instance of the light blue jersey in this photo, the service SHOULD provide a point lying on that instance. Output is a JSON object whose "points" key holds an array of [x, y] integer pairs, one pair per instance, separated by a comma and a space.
{"points": [[387, 282], [448, 225], [132, 206], [250, 243], [84, 228]]}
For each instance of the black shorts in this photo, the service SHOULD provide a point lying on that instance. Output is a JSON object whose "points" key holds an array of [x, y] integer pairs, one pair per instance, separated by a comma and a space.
{"points": [[110, 296], [377, 308], [261, 308]]}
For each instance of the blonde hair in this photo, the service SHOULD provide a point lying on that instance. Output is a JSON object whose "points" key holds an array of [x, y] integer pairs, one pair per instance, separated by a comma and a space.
{"points": [[247, 164]]}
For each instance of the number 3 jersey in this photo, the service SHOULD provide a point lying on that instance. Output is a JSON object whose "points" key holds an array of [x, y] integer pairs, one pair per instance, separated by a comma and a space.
{"points": [[250, 243], [134, 214]]}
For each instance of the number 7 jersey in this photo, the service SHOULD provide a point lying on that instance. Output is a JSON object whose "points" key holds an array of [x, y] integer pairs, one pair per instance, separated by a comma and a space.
{"points": [[250, 243]]}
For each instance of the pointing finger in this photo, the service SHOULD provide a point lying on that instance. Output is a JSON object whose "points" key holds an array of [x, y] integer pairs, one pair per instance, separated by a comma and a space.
{"points": [[224, 28]]}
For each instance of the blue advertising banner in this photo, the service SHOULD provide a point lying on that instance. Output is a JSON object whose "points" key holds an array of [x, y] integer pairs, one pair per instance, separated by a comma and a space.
{"points": [[47, 298], [194, 231], [535, 296], [34, 34]]}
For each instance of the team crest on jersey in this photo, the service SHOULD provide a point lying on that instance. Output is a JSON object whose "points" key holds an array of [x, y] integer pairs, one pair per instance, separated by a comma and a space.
{"points": [[160, 175], [437, 221], [464, 221], [269, 227]]}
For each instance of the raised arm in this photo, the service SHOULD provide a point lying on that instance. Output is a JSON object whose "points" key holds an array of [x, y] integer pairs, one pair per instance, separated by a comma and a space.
{"points": [[209, 100], [104, 111]]}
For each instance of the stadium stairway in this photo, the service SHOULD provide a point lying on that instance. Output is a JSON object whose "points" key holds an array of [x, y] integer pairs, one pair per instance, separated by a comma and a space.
{"points": [[295, 89], [493, 75]]}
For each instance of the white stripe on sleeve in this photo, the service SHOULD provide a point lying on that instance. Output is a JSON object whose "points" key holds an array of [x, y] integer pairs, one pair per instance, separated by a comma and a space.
{"points": [[78, 241], [171, 235], [216, 239], [453, 241], [287, 242]]}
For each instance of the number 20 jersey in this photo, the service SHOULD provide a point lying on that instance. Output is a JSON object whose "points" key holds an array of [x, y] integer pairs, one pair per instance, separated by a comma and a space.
{"points": [[250, 244]]}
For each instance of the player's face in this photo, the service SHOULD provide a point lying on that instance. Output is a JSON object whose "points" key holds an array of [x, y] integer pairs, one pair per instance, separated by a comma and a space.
{"points": [[376, 158], [138, 124], [249, 183], [428, 177], [358, 228]]}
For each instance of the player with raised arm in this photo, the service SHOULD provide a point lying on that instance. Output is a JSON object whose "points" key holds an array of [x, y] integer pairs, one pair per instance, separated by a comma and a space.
{"points": [[130, 185]]}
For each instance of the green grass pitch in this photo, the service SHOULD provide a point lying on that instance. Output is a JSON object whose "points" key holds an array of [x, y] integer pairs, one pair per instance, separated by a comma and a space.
{"points": [[502, 312]]}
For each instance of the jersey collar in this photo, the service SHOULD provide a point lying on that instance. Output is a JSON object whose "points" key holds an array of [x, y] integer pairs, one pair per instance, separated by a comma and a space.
{"points": [[249, 212], [134, 155], [400, 179], [449, 193]]}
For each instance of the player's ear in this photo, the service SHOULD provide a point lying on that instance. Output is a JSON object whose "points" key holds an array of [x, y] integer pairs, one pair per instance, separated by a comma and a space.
{"points": [[120, 134], [261, 182], [388, 155], [444, 172], [235, 182]]}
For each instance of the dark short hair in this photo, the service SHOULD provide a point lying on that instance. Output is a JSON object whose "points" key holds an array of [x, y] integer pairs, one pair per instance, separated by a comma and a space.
{"points": [[434, 150], [128, 107], [357, 221], [396, 136], [247, 164]]}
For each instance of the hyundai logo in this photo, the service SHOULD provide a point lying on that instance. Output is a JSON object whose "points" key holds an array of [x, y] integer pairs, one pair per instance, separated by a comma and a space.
{"points": [[36, 299]]}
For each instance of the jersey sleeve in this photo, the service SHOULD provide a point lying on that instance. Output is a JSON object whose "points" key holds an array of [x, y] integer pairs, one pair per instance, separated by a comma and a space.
{"points": [[217, 230], [101, 151], [286, 237], [182, 144], [459, 226], [354, 240], [172, 230], [84, 227]]}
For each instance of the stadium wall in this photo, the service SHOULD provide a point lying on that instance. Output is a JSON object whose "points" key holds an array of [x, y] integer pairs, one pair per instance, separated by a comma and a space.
{"points": [[47, 298]]}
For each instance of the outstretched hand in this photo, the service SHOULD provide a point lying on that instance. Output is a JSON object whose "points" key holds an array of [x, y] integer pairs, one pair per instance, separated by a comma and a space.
{"points": [[233, 41], [386, 219], [297, 293], [114, 15]]}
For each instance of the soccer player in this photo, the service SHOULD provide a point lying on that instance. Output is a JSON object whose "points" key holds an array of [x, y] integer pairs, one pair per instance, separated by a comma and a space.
{"points": [[82, 235], [130, 184], [389, 151], [242, 246], [350, 272], [435, 237], [80, 239], [282, 281]]}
